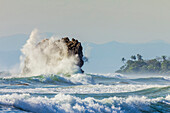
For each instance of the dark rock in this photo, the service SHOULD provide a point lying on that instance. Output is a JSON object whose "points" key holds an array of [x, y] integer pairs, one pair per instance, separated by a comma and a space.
{"points": [[75, 48]]}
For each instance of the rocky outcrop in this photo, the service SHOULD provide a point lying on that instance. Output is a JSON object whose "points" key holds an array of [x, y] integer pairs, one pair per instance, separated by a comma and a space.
{"points": [[74, 48]]}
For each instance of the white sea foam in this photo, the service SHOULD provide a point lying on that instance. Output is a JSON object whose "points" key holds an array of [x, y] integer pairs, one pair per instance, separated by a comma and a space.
{"points": [[84, 89], [77, 79], [109, 75], [166, 78], [62, 103], [80, 79], [99, 89]]}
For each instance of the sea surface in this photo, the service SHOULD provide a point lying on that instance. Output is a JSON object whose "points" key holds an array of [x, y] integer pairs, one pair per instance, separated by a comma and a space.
{"points": [[85, 93]]}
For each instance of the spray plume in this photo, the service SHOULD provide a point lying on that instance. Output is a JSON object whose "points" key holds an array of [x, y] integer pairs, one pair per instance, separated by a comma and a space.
{"points": [[50, 56]]}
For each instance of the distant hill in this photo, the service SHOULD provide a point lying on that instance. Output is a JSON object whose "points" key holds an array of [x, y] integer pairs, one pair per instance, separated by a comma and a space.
{"points": [[103, 58], [107, 57], [138, 65]]}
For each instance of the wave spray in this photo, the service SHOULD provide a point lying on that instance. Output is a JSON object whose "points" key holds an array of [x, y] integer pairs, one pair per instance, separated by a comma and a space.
{"points": [[50, 56]]}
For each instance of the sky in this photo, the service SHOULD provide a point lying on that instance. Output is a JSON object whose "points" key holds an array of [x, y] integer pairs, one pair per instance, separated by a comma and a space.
{"points": [[97, 21]]}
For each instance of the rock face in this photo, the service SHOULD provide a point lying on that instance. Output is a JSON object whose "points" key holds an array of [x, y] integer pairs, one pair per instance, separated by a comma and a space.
{"points": [[74, 48]]}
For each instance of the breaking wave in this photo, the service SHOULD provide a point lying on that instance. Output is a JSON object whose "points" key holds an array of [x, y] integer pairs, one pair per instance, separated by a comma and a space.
{"points": [[108, 75], [62, 103], [60, 79], [80, 79], [49, 57], [91, 89]]}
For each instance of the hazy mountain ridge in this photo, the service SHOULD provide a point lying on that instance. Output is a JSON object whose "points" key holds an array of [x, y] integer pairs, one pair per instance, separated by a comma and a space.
{"points": [[103, 58], [107, 57]]}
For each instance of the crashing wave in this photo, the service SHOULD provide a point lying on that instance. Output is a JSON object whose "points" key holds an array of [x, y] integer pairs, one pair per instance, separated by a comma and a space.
{"points": [[62, 103], [90, 89], [108, 75], [51, 56]]}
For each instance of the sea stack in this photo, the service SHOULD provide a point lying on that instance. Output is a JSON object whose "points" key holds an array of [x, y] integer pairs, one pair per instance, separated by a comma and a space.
{"points": [[51, 53], [74, 48]]}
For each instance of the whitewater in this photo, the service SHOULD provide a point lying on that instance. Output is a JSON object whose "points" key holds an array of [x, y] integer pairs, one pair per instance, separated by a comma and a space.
{"points": [[49, 88]]}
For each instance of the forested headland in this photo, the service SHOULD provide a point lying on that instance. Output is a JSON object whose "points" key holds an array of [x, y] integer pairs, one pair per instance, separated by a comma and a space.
{"points": [[138, 65]]}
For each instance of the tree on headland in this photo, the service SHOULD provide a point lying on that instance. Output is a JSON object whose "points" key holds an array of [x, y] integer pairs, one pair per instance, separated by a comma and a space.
{"points": [[133, 57], [155, 65], [164, 58], [123, 60], [139, 57]]}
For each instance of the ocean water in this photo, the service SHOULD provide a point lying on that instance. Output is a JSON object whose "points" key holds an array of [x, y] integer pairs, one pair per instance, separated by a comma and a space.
{"points": [[32, 91], [84, 93]]}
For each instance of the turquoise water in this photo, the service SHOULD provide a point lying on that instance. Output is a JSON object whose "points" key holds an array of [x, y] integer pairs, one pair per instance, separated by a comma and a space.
{"points": [[85, 93]]}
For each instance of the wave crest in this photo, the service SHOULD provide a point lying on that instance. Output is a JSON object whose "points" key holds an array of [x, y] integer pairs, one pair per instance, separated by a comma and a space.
{"points": [[68, 104]]}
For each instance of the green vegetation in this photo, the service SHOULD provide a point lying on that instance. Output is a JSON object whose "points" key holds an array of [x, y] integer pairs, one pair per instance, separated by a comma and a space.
{"points": [[137, 65]]}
